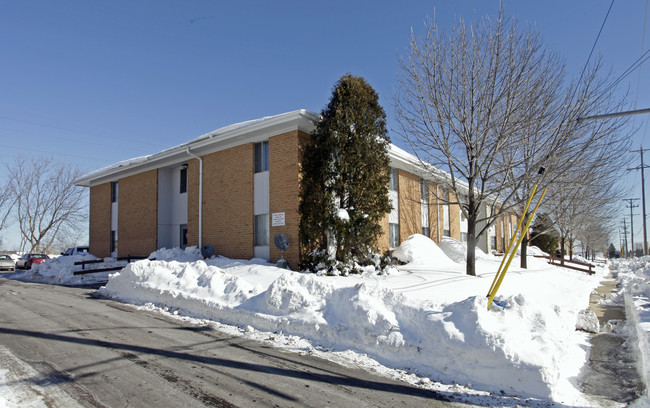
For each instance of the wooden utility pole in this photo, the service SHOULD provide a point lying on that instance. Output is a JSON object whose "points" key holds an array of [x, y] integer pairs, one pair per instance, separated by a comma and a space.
{"points": [[627, 253], [645, 231], [631, 206]]}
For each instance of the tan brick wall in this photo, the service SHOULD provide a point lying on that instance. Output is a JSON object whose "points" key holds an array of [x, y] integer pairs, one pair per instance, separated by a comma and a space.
{"points": [[99, 234], [383, 242], [513, 224], [193, 171], [227, 201], [410, 208], [284, 191], [454, 217], [137, 214], [435, 214], [497, 225]]}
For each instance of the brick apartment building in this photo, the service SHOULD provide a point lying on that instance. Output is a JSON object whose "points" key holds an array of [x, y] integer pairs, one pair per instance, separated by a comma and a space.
{"points": [[237, 187]]}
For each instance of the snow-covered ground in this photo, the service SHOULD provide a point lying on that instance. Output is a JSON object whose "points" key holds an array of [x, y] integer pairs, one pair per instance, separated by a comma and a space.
{"points": [[425, 322]]}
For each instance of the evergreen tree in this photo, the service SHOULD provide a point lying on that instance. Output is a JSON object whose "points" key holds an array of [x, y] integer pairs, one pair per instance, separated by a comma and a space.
{"points": [[611, 251], [544, 235], [344, 189]]}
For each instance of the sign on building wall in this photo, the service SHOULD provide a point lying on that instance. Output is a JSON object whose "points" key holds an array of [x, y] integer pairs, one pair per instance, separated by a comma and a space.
{"points": [[277, 219]]}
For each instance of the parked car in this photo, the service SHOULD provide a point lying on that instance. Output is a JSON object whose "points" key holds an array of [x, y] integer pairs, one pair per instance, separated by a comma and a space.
{"points": [[26, 261], [78, 250], [7, 263]]}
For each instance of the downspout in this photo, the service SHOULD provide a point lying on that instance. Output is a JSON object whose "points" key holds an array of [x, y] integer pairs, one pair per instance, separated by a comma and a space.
{"points": [[438, 212], [200, 194]]}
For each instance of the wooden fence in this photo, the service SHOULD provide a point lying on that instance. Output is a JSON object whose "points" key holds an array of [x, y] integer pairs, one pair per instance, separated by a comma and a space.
{"points": [[569, 264], [83, 264]]}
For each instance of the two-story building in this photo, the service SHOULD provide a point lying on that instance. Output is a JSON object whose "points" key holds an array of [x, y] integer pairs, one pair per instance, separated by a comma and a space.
{"points": [[237, 187]]}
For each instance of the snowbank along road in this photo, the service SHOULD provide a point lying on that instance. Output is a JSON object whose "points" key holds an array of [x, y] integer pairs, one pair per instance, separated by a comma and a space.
{"points": [[62, 347]]}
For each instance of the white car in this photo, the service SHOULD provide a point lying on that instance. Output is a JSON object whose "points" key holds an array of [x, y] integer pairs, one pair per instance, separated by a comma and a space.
{"points": [[78, 250], [7, 263]]}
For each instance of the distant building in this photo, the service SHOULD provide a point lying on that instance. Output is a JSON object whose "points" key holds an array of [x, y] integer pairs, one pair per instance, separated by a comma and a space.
{"points": [[237, 187]]}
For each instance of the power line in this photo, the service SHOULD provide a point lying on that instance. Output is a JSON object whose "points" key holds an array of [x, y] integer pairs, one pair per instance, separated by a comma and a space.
{"points": [[642, 167], [77, 131], [59, 138], [593, 47], [645, 21], [27, 149], [636, 64]]}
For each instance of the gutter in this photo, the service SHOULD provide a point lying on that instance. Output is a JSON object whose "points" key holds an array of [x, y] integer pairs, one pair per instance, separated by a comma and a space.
{"points": [[187, 150]]}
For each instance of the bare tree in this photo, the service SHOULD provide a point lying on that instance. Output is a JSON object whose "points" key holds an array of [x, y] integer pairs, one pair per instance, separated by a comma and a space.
{"points": [[465, 102], [490, 105], [7, 202], [578, 156], [47, 201]]}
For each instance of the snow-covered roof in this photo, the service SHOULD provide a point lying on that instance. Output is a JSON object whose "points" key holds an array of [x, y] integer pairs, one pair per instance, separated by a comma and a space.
{"points": [[236, 134], [219, 139]]}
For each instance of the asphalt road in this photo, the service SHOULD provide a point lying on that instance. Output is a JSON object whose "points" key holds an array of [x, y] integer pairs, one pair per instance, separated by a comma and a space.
{"points": [[69, 347]]}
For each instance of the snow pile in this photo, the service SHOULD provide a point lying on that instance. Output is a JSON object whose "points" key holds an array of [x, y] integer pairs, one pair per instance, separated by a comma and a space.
{"points": [[457, 251], [428, 318], [60, 270], [342, 214], [189, 254], [529, 347], [588, 321], [634, 292], [535, 251], [419, 249]]}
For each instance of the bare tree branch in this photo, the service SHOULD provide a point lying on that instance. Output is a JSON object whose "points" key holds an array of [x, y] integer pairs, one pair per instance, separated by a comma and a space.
{"points": [[47, 201]]}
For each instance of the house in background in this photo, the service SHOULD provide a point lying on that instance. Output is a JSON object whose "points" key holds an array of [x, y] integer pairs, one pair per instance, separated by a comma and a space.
{"points": [[237, 187]]}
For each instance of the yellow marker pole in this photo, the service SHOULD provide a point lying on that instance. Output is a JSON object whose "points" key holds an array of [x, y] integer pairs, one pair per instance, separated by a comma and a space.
{"points": [[521, 238], [512, 240]]}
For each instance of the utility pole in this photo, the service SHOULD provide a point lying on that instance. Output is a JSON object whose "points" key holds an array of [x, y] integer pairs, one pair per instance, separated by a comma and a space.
{"points": [[631, 206], [620, 241], [627, 254], [645, 231]]}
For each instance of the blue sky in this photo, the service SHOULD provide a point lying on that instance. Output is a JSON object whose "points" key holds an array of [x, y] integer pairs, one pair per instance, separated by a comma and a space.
{"points": [[94, 82]]}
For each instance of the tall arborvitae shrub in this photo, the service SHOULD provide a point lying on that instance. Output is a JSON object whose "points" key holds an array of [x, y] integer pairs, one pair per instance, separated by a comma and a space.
{"points": [[544, 234], [344, 189]]}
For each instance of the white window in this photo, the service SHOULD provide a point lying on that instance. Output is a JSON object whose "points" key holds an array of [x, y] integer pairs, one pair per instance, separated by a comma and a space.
{"points": [[393, 235], [394, 182], [262, 230]]}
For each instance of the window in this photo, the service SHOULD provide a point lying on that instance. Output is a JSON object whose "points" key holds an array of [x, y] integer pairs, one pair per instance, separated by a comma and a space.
{"points": [[463, 237], [113, 241], [183, 237], [393, 235], [394, 183], [261, 230], [425, 190], [261, 157], [114, 190], [183, 179], [426, 231], [462, 204], [493, 242]]}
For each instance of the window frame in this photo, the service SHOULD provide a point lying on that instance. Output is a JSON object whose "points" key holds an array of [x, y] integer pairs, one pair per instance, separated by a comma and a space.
{"points": [[258, 221], [393, 184], [261, 158], [393, 235], [114, 191], [183, 180]]}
